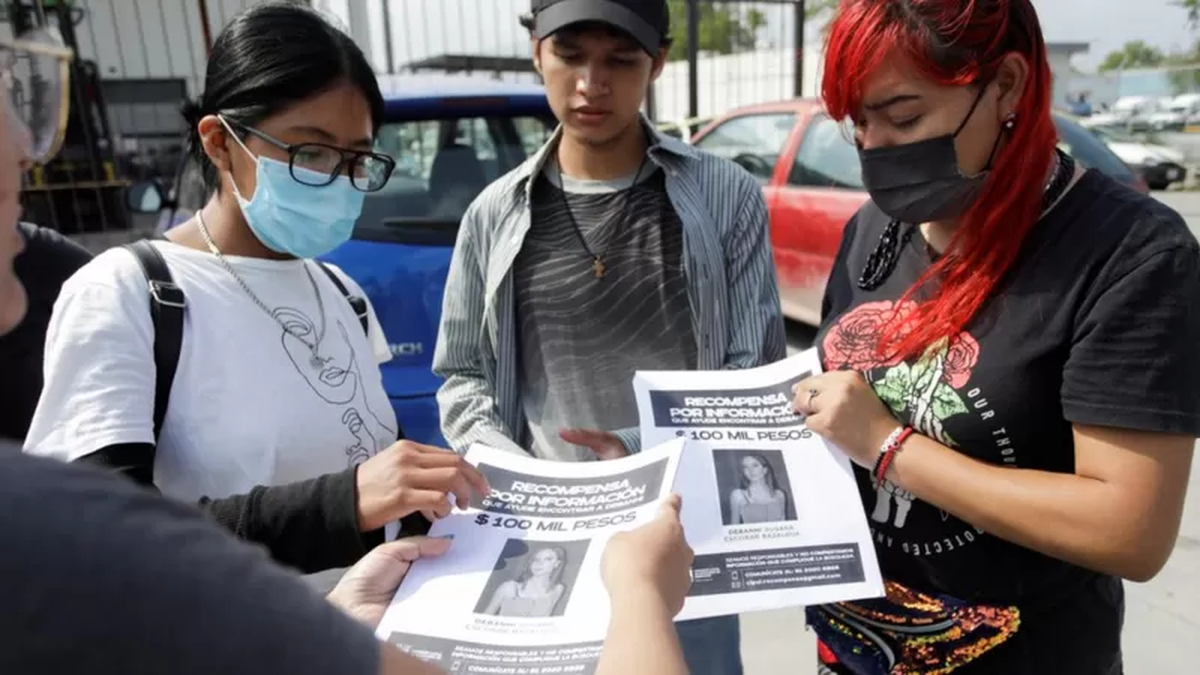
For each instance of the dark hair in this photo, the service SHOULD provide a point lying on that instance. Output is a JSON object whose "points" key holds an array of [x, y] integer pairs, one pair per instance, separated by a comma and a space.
{"points": [[270, 57]]}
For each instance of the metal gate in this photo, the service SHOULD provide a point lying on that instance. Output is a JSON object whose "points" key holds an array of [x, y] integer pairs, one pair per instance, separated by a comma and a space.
{"points": [[725, 53]]}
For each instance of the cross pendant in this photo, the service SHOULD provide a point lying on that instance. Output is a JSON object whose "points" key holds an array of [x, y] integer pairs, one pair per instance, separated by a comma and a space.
{"points": [[598, 268]]}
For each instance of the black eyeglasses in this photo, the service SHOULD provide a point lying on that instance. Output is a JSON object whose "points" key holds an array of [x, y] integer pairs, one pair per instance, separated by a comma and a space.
{"points": [[318, 164]]}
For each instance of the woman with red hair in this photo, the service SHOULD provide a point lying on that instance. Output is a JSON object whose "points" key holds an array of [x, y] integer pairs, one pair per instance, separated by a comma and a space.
{"points": [[1012, 352]]}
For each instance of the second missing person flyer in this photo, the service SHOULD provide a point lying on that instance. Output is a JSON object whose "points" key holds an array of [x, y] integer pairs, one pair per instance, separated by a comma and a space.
{"points": [[520, 591], [770, 508]]}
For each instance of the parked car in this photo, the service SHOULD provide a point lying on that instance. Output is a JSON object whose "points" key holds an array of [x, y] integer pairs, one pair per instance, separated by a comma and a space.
{"points": [[812, 181], [451, 137], [1159, 165], [1175, 115], [1129, 112]]}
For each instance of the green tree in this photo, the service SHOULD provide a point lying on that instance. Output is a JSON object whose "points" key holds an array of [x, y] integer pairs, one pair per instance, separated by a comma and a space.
{"points": [[722, 30], [1185, 70], [1193, 10], [1135, 54], [815, 9]]}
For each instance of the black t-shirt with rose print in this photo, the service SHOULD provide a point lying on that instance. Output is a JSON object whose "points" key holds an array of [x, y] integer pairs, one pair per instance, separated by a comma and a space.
{"points": [[1098, 324]]}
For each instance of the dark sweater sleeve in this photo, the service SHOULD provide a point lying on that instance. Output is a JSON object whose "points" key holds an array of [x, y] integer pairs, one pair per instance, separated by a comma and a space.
{"points": [[309, 525], [101, 577]]}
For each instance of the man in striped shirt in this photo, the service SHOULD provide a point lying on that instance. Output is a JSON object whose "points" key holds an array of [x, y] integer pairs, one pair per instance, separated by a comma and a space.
{"points": [[613, 249]]}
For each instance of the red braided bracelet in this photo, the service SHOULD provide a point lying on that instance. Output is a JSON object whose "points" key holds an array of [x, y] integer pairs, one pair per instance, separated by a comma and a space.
{"points": [[887, 454]]}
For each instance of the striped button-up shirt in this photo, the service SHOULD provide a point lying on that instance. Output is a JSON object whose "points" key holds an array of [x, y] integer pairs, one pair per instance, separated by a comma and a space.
{"points": [[727, 262]]}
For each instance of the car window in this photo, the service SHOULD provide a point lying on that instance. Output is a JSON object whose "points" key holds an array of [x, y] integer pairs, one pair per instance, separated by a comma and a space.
{"points": [[442, 165], [1090, 151], [754, 141], [827, 157], [534, 133]]}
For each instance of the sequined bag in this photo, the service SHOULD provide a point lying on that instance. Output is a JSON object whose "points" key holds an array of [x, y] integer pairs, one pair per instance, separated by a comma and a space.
{"points": [[907, 632]]}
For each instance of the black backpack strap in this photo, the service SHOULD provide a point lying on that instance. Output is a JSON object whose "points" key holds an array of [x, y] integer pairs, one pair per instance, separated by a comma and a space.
{"points": [[167, 305], [357, 303]]}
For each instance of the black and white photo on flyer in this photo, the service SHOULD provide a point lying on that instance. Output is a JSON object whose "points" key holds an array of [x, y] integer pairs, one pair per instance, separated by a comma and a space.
{"points": [[754, 486], [532, 579]]}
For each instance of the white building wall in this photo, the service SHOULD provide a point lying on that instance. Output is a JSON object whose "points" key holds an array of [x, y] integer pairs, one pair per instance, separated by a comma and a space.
{"points": [[729, 81]]}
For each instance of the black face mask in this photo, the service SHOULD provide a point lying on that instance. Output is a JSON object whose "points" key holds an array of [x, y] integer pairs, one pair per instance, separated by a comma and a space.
{"points": [[921, 182]]}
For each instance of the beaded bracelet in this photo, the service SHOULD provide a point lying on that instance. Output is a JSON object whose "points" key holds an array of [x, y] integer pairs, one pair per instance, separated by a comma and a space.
{"points": [[887, 453]]}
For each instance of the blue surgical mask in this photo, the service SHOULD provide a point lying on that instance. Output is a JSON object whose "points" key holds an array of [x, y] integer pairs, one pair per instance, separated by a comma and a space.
{"points": [[294, 219]]}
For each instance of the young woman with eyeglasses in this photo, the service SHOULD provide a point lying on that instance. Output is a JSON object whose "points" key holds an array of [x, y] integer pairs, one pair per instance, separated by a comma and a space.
{"points": [[277, 418]]}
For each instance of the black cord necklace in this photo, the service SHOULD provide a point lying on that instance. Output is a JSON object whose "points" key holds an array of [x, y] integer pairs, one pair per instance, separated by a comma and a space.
{"points": [[882, 261], [598, 267]]}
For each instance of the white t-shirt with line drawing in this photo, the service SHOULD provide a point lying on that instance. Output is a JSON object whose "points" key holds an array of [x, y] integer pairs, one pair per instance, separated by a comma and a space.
{"points": [[249, 406]]}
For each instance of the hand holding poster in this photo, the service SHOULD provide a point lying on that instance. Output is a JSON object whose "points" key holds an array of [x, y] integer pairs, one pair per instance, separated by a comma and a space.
{"points": [[520, 589], [773, 512]]}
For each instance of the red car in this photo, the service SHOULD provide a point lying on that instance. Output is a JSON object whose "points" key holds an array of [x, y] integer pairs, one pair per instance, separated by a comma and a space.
{"points": [[812, 182]]}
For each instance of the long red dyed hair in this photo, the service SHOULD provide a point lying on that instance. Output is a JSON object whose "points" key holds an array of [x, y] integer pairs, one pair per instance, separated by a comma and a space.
{"points": [[955, 42]]}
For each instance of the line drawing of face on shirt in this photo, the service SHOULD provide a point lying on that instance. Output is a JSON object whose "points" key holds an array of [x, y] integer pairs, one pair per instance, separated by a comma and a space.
{"points": [[536, 591], [337, 380]]}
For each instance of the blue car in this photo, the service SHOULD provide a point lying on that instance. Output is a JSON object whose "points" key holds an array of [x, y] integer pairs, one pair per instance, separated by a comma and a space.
{"points": [[450, 137]]}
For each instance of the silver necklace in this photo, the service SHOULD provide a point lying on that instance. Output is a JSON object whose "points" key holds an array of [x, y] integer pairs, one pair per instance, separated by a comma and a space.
{"points": [[313, 347]]}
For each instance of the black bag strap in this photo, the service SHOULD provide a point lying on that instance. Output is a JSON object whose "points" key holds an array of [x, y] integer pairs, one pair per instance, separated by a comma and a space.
{"points": [[167, 306], [357, 303]]}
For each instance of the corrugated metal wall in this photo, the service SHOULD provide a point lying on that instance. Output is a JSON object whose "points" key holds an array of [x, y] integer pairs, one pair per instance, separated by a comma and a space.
{"points": [[149, 54], [151, 39]]}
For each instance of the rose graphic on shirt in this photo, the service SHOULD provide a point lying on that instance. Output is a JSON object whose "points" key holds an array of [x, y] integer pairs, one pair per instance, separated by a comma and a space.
{"points": [[850, 345], [926, 391]]}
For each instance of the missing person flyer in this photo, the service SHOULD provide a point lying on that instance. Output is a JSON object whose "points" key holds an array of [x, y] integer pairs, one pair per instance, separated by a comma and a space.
{"points": [[770, 508], [519, 591]]}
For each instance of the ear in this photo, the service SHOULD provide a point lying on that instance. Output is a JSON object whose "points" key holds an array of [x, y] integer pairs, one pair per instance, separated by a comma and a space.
{"points": [[660, 62], [216, 142], [535, 46], [1012, 78]]}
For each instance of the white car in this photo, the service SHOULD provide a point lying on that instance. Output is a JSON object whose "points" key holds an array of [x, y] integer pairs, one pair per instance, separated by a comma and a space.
{"points": [[1177, 114], [1160, 165], [1130, 112]]}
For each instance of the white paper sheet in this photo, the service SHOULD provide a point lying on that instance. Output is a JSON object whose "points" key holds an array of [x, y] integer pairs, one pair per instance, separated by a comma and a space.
{"points": [[519, 591], [770, 508]]}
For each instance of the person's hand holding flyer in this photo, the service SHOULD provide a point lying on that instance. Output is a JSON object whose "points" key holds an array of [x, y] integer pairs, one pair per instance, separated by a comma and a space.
{"points": [[522, 585], [773, 511]]}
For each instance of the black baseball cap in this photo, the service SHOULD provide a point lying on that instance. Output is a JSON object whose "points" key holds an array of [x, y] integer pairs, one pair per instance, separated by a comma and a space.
{"points": [[646, 21]]}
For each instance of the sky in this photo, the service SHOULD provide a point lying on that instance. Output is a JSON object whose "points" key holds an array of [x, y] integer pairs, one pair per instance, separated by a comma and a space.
{"points": [[422, 28], [1108, 24]]}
